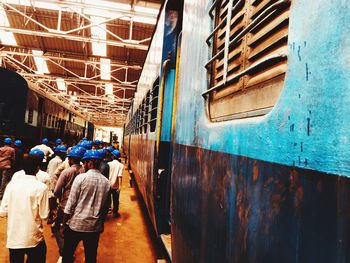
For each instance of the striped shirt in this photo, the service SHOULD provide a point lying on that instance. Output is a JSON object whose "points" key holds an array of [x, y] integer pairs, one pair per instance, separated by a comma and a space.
{"points": [[86, 200]]}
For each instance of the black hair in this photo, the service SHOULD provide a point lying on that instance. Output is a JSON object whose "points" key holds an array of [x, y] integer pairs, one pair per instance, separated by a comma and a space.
{"points": [[31, 164]]}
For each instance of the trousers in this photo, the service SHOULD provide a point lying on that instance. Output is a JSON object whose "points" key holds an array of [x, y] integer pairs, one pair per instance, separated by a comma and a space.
{"points": [[71, 241], [34, 254]]}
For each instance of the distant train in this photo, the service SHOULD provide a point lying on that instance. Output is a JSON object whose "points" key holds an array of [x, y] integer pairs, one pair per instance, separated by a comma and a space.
{"points": [[26, 115], [239, 134]]}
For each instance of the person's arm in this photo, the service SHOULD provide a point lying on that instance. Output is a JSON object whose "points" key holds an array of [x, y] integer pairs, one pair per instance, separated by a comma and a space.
{"points": [[13, 158], [120, 176], [73, 197], [5, 202], [60, 184], [51, 153], [44, 204]]}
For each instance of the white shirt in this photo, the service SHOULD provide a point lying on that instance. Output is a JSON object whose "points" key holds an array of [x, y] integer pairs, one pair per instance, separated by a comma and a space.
{"points": [[25, 203], [51, 169], [48, 152], [41, 176], [115, 171]]}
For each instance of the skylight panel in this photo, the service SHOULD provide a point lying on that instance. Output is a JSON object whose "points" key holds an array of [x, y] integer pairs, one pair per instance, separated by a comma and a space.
{"points": [[61, 85], [105, 68], [40, 62], [109, 4], [98, 32], [109, 89], [6, 38], [146, 10]]}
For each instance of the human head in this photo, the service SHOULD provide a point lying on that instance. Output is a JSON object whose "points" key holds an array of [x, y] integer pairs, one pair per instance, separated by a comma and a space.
{"points": [[58, 141], [18, 143], [61, 151], [75, 155], [7, 141], [116, 154], [38, 153], [91, 159], [44, 141], [31, 164]]}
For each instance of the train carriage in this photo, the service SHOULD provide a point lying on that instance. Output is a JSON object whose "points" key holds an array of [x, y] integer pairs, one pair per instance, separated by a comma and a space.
{"points": [[248, 160], [27, 115]]}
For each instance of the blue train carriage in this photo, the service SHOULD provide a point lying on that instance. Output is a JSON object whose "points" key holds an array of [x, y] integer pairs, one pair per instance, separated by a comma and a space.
{"points": [[29, 116], [260, 162], [148, 136]]}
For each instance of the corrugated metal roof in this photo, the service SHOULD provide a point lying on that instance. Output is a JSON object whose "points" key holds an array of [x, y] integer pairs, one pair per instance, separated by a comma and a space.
{"points": [[69, 54]]}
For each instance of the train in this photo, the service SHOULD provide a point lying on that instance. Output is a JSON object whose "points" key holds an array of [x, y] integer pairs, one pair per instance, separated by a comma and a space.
{"points": [[29, 116], [239, 132]]}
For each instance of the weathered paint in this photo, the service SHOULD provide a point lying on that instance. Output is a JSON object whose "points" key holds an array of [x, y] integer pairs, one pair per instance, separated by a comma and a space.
{"points": [[309, 126], [229, 208]]}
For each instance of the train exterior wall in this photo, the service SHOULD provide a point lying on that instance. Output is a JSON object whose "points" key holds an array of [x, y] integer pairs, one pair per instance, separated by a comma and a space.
{"points": [[142, 165], [272, 188]]}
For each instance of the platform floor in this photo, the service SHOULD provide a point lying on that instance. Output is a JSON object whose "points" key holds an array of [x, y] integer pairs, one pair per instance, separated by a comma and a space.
{"points": [[125, 239]]}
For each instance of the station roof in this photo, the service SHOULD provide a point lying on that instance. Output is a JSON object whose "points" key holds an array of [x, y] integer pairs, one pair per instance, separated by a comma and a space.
{"points": [[86, 55]]}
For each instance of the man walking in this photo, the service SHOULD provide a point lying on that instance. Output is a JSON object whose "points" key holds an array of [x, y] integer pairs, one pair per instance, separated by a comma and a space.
{"points": [[62, 191], [86, 209], [25, 204], [115, 180], [7, 160]]}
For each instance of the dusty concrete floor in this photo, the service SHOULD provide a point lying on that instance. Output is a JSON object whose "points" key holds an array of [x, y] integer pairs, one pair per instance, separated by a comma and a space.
{"points": [[125, 239]]}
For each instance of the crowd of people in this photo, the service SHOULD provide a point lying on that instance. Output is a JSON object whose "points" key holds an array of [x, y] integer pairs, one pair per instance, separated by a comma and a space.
{"points": [[70, 187]]}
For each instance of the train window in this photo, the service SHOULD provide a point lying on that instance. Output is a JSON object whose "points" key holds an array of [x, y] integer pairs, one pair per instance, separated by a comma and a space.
{"points": [[53, 122], [154, 105], [44, 120], [146, 110], [249, 60], [30, 116]]}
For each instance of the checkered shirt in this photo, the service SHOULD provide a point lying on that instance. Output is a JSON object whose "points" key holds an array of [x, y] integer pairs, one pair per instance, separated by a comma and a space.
{"points": [[85, 203]]}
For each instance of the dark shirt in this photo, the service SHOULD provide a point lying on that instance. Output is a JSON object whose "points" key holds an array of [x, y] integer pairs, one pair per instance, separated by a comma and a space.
{"points": [[104, 169], [18, 165]]}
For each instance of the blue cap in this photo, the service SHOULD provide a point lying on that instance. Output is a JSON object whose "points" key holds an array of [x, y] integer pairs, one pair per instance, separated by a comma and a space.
{"points": [[61, 149], [44, 140], [38, 152], [102, 152], [7, 140], [116, 153], [18, 143], [84, 139], [77, 152], [58, 141], [91, 154], [88, 144], [110, 149]]}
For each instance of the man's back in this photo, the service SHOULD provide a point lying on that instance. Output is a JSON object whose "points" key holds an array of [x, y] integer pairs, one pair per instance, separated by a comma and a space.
{"points": [[25, 202], [86, 201], [7, 157]]}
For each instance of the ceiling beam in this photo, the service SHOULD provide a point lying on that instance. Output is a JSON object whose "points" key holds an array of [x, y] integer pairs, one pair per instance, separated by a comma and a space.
{"points": [[114, 43], [79, 58]]}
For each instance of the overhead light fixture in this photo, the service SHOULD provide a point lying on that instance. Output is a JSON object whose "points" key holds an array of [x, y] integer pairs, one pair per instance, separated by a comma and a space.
{"points": [[105, 67], [146, 10], [141, 19], [40, 62], [98, 33], [6, 38], [109, 89], [61, 85]]}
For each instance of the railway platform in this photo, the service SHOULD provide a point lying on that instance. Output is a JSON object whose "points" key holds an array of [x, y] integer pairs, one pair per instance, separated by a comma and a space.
{"points": [[128, 238]]}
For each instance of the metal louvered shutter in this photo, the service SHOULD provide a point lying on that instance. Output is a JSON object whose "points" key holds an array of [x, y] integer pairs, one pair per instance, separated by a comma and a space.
{"points": [[249, 59]]}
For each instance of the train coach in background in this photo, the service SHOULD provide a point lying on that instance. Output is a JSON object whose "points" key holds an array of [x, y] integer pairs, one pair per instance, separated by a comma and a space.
{"points": [[29, 116]]}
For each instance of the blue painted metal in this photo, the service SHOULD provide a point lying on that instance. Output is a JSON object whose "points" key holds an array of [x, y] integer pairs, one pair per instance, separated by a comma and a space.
{"points": [[309, 126]]}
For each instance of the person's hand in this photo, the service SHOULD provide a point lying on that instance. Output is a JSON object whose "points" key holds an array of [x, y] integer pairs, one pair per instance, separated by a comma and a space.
{"points": [[62, 229]]}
